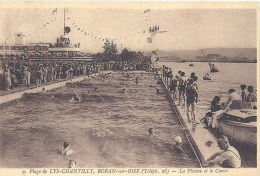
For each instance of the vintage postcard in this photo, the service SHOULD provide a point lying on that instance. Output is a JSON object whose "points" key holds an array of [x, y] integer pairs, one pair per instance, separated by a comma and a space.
{"points": [[128, 88]]}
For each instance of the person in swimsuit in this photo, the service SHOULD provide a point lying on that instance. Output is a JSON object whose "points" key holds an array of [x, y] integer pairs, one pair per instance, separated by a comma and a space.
{"points": [[76, 98], [251, 98], [151, 131], [214, 107], [191, 94], [182, 87], [244, 94], [72, 164], [227, 157], [66, 150]]}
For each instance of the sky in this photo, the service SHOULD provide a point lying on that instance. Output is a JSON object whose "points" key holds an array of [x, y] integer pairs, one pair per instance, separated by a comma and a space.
{"points": [[186, 28]]}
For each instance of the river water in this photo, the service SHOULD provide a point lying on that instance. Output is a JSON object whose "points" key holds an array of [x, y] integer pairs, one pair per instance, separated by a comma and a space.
{"points": [[230, 75], [107, 129]]}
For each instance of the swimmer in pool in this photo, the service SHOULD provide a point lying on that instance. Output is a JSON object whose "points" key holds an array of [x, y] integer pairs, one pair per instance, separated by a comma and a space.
{"points": [[72, 164], [178, 144], [66, 150], [76, 99], [151, 131]]}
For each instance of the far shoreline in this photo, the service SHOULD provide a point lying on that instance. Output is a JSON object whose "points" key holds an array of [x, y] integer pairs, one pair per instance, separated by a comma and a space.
{"points": [[209, 61]]}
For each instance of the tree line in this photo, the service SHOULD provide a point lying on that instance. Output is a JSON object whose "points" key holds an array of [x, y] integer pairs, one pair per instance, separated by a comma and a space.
{"points": [[110, 53]]}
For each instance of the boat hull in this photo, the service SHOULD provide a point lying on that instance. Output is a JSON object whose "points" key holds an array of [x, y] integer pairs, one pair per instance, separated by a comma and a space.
{"points": [[214, 70], [245, 133], [206, 78]]}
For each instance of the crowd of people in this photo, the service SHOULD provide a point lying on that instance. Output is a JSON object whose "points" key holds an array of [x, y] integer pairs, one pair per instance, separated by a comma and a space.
{"points": [[186, 91], [182, 88], [18, 73], [40, 73], [247, 99]]}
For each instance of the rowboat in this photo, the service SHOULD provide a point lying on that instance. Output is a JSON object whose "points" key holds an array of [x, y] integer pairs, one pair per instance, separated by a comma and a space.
{"points": [[206, 78], [239, 125]]}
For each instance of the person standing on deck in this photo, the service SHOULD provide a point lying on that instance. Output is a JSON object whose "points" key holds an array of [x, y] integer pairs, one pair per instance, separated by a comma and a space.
{"points": [[243, 95], [192, 75], [234, 100], [71, 70], [191, 94], [67, 73], [84, 69], [172, 87], [177, 77], [182, 87], [195, 79], [251, 97], [44, 74], [27, 77], [39, 76], [7, 79], [227, 157]]}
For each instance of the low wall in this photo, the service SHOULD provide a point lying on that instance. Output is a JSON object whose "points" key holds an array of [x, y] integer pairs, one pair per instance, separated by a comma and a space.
{"points": [[18, 95]]}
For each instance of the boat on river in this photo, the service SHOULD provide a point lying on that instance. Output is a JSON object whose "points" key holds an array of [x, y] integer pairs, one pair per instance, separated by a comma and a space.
{"points": [[239, 125], [182, 61], [206, 77], [213, 68]]}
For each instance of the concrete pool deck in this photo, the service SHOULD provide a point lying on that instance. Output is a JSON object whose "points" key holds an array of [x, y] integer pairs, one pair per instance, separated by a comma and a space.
{"points": [[203, 142], [17, 95]]}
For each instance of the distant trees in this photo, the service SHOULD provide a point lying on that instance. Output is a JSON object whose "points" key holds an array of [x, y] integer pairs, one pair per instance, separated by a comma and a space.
{"points": [[125, 54], [110, 54], [110, 50], [133, 56]]}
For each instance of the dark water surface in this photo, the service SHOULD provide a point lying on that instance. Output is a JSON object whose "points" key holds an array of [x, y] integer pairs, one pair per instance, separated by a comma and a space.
{"points": [[107, 129]]}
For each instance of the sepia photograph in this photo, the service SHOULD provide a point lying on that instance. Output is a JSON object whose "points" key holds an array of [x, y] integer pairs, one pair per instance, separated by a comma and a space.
{"points": [[134, 85]]}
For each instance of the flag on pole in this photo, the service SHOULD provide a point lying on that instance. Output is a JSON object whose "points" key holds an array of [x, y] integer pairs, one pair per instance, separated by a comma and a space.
{"points": [[54, 11], [147, 10], [149, 40]]}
